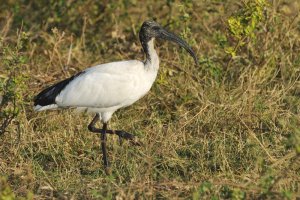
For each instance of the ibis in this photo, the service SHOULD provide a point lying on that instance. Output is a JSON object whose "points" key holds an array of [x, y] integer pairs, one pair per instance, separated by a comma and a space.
{"points": [[104, 88]]}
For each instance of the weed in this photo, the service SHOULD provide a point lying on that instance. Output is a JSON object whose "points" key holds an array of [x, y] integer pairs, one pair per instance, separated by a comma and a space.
{"points": [[12, 84], [243, 24]]}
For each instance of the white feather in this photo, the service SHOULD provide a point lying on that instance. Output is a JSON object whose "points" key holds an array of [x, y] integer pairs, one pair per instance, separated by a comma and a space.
{"points": [[41, 108], [102, 87], [105, 88]]}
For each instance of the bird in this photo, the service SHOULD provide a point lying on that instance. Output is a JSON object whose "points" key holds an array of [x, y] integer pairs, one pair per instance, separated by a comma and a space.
{"points": [[105, 88]]}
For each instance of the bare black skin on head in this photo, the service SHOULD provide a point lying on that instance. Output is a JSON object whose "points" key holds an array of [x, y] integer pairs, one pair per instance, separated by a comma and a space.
{"points": [[151, 29]]}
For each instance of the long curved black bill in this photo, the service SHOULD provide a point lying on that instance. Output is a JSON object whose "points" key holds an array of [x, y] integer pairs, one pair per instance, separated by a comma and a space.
{"points": [[166, 35]]}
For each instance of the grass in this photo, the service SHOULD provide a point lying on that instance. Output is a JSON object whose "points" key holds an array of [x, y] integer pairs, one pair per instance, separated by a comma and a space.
{"points": [[228, 129]]}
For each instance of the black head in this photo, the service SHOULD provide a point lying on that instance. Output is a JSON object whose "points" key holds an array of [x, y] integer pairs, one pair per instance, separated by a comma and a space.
{"points": [[151, 29]]}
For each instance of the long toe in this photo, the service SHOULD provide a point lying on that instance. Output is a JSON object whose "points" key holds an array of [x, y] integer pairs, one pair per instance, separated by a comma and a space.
{"points": [[128, 136], [125, 135], [136, 142]]}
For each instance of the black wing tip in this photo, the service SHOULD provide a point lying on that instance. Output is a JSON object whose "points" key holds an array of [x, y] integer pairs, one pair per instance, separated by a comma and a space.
{"points": [[48, 95], [45, 97], [41, 98]]}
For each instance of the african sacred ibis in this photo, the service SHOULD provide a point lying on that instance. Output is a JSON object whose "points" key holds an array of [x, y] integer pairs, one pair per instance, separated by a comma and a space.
{"points": [[105, 88]]}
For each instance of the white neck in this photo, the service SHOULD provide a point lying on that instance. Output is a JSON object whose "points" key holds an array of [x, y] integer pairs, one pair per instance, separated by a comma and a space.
{"points": [[152, 60]]}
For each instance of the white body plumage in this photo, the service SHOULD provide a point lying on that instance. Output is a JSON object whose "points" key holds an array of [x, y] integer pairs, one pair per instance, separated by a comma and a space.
{"points": [[107, 87]]}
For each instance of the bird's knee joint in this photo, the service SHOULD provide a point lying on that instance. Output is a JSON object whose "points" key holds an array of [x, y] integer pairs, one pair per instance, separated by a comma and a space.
{"points": [[92, 128]]}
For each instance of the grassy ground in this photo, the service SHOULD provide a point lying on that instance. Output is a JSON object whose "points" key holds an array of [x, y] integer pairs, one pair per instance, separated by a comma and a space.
{"points": [[228, 129]]}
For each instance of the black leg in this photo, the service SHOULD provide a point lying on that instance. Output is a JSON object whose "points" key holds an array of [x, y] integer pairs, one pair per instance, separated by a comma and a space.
{"points": [[103, 146], [104, 131], [93, 129]]}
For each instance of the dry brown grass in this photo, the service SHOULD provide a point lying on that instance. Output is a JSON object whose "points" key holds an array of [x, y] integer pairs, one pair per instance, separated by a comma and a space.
{"points": [[228, 129]]}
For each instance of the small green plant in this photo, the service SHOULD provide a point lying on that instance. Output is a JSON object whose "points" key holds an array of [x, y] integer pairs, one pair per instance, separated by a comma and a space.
{"points": [[267, 182], [185, 17], [6, 192], [242, 25], [11, 81], [293, 140], [204, 189], [213, 68], [228, 193]]}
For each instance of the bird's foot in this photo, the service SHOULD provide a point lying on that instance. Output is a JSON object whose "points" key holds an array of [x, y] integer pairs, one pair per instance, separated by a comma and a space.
{"points": [[127, 136], [122, 135]]}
